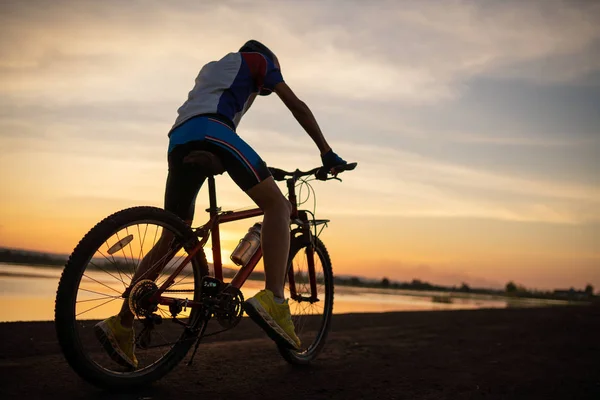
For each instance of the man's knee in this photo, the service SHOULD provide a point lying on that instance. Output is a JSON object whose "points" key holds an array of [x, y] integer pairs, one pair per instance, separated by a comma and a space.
{"points": [[281, 206], [269, 198], [286, 207]]}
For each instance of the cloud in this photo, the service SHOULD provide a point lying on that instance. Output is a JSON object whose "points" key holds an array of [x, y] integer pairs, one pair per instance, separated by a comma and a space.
{"points": [[389, 162], [469, 38], [414, 52], [102, 80], [534, 140], [402, 183]]}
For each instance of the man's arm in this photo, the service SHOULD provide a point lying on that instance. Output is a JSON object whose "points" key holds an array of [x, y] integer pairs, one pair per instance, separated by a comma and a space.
{"points": [[303, 115]]}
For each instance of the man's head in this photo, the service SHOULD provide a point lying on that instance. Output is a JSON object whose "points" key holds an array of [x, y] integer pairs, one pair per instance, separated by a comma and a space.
{"points": [[257, 47]]}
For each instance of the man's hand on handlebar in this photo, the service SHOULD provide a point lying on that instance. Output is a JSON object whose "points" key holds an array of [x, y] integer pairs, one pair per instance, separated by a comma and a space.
{"points": [[332, 164], [321, 173], [330, 160]]}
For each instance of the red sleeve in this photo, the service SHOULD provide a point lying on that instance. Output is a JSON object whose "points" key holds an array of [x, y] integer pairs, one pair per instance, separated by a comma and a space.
{"points": [[258, 67]]}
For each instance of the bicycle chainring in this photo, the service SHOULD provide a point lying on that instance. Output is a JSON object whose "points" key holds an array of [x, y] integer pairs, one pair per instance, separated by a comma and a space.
{"points": [[229, 312]]}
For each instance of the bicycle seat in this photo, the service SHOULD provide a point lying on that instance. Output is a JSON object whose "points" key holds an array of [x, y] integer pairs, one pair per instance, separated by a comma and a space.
{"points": [[206, 160]]}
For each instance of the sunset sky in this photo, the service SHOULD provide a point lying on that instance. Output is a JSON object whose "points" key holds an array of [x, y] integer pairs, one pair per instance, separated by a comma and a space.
{"points": [[476, 126]]}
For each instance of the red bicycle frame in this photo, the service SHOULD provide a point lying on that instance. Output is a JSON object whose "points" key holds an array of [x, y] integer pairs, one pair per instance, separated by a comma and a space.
{"points": [[216, 219]]}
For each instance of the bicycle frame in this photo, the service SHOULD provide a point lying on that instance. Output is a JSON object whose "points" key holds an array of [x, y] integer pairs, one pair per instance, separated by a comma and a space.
{"points": [[212, 227]]}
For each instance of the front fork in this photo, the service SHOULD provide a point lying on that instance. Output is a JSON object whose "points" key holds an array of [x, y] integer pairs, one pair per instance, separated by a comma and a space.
{"points": [[307, 236]]}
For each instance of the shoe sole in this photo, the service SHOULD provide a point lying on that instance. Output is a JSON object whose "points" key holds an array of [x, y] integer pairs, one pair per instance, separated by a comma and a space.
{"points": [[260, 316], [110, 345]]}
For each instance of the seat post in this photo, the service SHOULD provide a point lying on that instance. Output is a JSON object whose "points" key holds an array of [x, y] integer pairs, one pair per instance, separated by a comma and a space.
{"points": [[216, 235], [212, 195]]}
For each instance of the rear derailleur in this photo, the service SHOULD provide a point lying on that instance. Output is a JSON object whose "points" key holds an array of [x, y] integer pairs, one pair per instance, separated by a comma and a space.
{"points": [[144, 338]]}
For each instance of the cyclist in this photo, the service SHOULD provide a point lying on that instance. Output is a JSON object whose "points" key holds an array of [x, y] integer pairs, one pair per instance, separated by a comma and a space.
{"points": [[224, 90]]}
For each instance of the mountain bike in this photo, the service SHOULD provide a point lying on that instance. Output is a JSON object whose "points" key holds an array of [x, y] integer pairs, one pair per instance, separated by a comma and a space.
{"points": [[172, 312]]}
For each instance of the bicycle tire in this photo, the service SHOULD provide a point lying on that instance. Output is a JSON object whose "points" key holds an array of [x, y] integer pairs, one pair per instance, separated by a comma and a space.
{"points": [[310, 351], [66, 298]]}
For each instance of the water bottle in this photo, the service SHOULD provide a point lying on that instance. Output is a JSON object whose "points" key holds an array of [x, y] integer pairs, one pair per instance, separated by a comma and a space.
{"points": [[247, 246]]}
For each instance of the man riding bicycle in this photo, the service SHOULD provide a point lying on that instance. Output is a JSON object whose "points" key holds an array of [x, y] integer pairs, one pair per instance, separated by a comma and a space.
{"points": [[224, 90]]}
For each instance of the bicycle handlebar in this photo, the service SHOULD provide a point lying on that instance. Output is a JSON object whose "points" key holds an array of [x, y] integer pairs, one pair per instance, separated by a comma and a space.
{"points": [[321, 173]]}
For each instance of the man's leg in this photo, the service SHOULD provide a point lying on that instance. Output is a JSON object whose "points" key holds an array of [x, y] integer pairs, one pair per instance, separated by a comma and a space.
{"points": [[268, 308], [151, 266], [275, 232]]}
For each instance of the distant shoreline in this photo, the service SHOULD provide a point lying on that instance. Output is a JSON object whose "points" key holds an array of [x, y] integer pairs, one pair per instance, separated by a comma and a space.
{"points": [[21, 275], [42, 260]]}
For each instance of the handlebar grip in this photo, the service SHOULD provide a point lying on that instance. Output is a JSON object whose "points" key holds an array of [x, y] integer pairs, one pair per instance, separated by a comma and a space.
{"points": [[345, 167], [322, 173]]}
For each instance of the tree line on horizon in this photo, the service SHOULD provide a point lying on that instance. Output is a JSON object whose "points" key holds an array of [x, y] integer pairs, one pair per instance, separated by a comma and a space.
{"points": [[511, 288]]}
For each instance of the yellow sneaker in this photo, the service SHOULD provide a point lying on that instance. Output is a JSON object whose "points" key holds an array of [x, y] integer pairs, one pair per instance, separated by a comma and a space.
{"points": [[274, 318], [118, 341]]}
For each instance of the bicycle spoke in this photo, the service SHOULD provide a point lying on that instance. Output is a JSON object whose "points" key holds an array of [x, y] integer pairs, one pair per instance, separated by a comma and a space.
{"points": [[105, 271], [114, 263], [133, 264], [113, 289], [150, 252], [169, 255], [310, 318], [122, 250], [93, 308], [120, 278], [164, 340], [91, 291], [163, 312], [98, 298], [153, 266], [130, 251], [142, 242]]}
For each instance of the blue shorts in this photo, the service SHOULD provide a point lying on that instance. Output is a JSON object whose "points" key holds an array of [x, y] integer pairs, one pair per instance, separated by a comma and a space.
{"points": [[184, 180]]}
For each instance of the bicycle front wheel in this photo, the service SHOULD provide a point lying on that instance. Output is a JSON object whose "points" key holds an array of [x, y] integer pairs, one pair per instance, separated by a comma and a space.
{"points": [[94, 286], [310, 294]]}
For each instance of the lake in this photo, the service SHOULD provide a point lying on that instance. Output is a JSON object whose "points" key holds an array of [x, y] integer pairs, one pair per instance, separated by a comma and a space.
{"points": [[27, 293]]}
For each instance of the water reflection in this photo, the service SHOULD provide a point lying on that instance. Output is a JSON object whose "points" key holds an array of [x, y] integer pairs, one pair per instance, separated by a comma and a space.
{"points": [[28, 293]]}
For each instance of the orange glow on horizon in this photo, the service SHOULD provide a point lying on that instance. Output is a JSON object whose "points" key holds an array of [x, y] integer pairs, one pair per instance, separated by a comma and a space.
{"points": [[465, 173]]}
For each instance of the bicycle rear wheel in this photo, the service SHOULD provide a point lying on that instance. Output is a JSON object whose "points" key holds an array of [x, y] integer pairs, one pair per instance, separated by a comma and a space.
{"points": [[311, 317], [93, 286]]}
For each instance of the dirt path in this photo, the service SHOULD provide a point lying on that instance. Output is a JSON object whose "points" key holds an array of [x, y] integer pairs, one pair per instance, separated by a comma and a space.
{"points": [[551, 353]]}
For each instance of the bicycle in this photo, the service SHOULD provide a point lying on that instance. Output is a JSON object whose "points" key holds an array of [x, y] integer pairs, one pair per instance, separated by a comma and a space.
{"points": [[99, 271]]}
